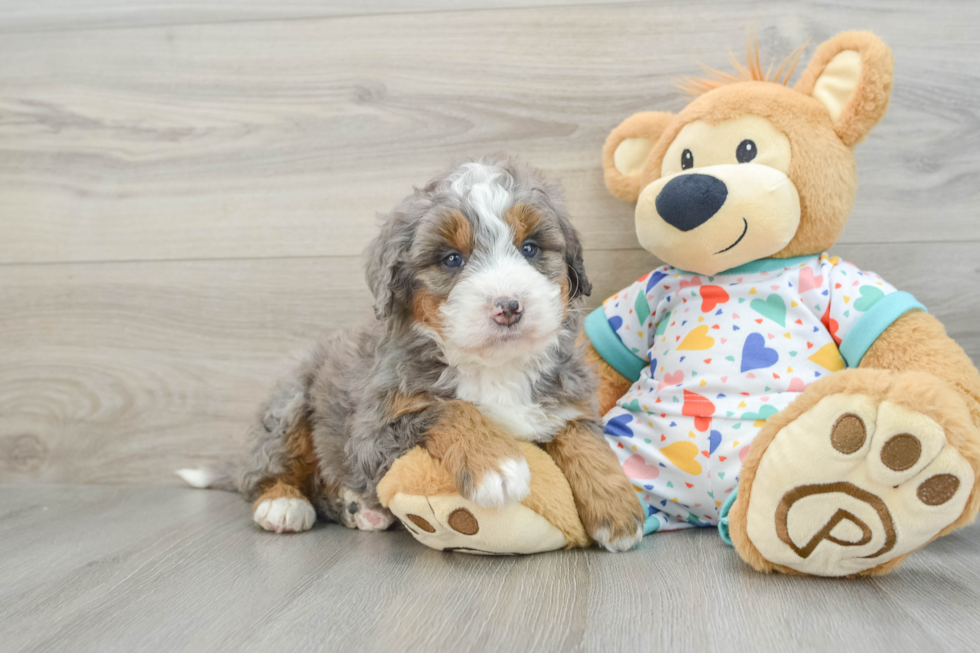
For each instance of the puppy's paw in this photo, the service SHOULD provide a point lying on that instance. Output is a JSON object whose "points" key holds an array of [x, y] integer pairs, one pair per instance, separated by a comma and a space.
{"points": [[614, 517], [284, 515], [369, 519], [509, 482], [618, 524], [360, 513], [620, 542]]}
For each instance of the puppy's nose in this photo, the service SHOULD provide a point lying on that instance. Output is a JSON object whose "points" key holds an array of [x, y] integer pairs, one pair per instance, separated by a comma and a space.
{"points": [[688, 201], [507, 311]]}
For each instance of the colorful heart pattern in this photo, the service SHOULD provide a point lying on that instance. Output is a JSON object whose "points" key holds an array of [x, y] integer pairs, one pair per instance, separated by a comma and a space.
{"points": [[619, 426], [697, 340], [684, 457], [712, 296], [671, 378], [637, 468], [698, 407], [716, 375], [773, 308], [755, 354], [808, 280], [870, 295]]}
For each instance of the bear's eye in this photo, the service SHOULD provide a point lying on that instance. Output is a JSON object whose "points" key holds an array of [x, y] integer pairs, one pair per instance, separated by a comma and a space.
{"points": [[687, 159], [746, 151]]}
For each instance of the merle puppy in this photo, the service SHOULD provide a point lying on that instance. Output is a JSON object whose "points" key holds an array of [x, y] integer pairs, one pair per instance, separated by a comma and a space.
{"points": [[477, 280]]}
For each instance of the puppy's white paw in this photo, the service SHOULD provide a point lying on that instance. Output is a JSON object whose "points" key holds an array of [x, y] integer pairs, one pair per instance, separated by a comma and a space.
{"points": [[604, 538], [368, 519], [357, 512], [285, 515], [510, 484]]}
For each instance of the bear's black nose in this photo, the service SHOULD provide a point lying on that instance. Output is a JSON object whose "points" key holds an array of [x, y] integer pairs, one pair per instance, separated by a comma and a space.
{"points": [[688, 201]]}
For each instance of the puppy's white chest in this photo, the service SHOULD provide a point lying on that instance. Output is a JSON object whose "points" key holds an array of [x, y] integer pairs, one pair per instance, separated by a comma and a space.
{"points": [[504, 395]]}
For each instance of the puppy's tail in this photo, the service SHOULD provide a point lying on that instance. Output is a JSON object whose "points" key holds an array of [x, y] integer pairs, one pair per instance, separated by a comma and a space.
{"points": [[224, 477]]}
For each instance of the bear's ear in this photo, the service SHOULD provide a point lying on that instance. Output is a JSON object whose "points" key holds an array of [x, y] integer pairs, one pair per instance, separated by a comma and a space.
{"points": [[627, 149], [851, 75]]}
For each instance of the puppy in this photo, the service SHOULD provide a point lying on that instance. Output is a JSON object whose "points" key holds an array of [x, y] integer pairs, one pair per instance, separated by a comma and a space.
{"points": [[478, 281]]}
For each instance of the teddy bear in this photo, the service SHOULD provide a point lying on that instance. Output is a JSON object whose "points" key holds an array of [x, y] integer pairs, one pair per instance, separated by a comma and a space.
{"points": [[819, 417], [421, 493]]}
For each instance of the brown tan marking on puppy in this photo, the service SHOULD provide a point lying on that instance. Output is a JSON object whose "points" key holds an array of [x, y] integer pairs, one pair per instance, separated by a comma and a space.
{"points": [[527, 224], [606, 502], [425, 309], [300, 466], [402, 404], [474, 449], [524, 220], [278, 490], [283, 504], [458, 232]]}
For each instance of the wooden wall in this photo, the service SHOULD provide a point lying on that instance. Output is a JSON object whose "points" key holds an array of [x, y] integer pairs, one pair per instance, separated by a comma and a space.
{"points": [[185, 188]]}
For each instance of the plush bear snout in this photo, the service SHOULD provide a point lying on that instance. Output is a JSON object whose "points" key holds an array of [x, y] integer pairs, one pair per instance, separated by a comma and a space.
{"points": [[688, 201]]}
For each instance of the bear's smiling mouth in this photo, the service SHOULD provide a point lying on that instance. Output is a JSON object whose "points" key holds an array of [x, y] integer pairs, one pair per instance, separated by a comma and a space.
{"points": [[744, 231]]}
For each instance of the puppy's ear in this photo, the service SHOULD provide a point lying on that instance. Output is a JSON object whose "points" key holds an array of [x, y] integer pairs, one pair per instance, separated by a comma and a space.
{"points": [[384, 270], [627, 149], [851, 75], [579, 283], [552, 195]]}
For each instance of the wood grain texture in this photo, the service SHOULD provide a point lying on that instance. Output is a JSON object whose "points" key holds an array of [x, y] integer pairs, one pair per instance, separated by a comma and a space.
{"points": [[71, 15], [284, 138], [185, 188], [123, 372], [165, 569]]}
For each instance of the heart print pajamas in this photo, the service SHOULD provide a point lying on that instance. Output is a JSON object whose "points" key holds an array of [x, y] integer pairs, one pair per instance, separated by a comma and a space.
{"points": [[712, 357]]}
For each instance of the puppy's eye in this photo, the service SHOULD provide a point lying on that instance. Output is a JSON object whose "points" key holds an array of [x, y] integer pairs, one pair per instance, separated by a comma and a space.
{"points": [[530, 250], [746, 151], [687, 160], [454, 261]]}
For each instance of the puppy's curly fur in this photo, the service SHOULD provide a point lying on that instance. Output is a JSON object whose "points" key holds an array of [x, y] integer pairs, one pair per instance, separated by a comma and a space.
{"points": [[488, 234]]}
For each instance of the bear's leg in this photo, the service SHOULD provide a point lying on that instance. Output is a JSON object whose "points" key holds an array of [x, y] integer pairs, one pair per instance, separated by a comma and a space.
{"points": [[422, 494], [863, 468]]}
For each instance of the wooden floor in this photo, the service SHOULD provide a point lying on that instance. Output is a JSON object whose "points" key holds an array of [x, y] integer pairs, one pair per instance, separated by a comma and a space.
{"points": [[107, 569], [185, 191]]}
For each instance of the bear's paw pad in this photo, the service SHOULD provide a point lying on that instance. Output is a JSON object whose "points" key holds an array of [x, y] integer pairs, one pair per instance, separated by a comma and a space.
{"points": [[853, 483]]}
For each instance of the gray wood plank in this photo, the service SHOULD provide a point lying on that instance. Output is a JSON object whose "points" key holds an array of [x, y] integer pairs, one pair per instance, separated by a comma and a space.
{"points": [[123, 372], [128, 569], [276, 139], [73, 15]]}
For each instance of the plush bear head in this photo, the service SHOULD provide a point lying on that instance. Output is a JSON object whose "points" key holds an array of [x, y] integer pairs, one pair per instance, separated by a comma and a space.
{"points": [[753, 168]]}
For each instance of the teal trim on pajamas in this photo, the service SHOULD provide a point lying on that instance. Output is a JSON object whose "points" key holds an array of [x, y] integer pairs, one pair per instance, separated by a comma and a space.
{"points": [[723, 517], [611, 348], [878, 318], [652, 525], [761, 265]]}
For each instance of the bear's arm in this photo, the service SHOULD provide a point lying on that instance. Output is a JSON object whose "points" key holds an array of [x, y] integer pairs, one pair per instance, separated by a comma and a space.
{"points": [[917, 342], [612, 384]]}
